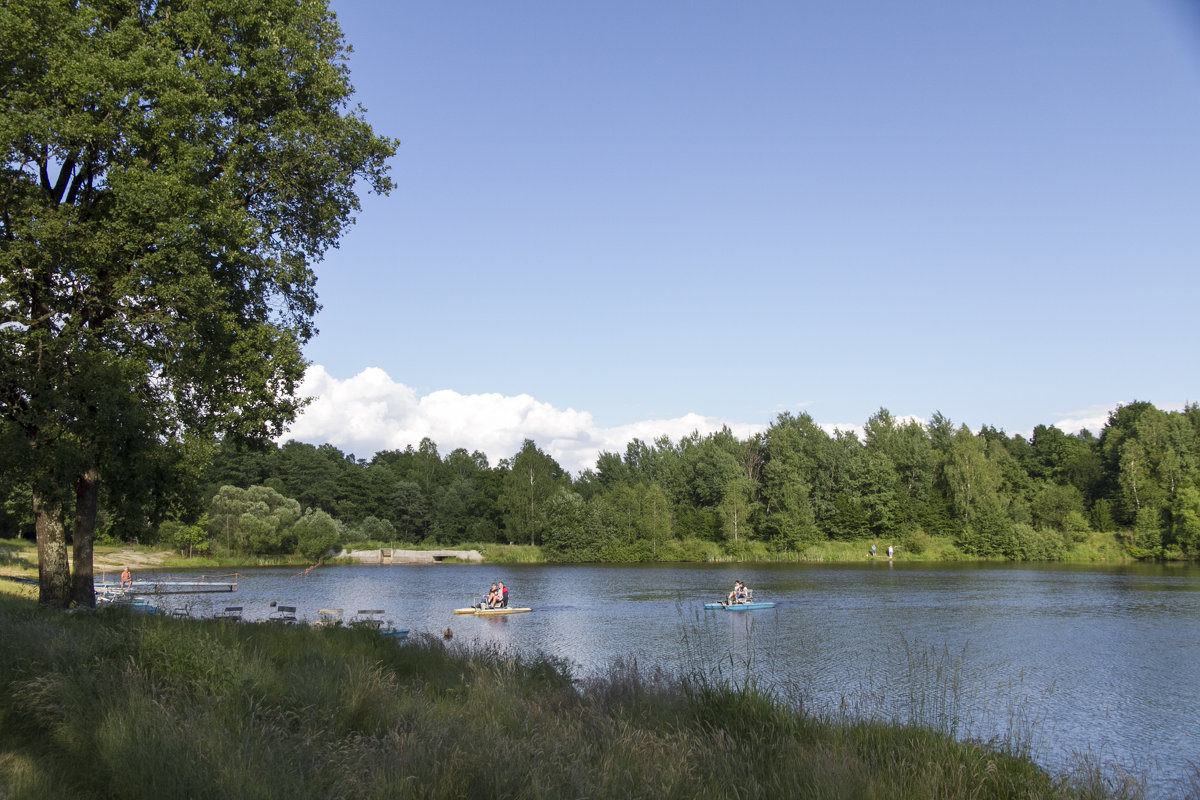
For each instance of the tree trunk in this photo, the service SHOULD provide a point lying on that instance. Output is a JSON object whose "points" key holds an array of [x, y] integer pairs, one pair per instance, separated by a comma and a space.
{"points": [[87, 494], [54, 571]]}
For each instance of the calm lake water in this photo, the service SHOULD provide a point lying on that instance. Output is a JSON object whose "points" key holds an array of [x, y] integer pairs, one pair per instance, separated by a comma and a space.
{"points": [[1065, 660]]}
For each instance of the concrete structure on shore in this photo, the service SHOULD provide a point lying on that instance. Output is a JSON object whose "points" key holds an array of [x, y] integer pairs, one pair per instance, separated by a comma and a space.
{"points": [[388, 556]]}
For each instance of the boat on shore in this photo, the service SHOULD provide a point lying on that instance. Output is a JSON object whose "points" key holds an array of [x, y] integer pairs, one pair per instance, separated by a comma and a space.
{"points": [[124, 598], [372, 619], [284, 615]]}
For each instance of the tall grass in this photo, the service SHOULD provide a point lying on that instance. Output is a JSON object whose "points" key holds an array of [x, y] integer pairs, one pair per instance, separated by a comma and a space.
{"points": [[1098, 547], [118, 705], [509, 553]]}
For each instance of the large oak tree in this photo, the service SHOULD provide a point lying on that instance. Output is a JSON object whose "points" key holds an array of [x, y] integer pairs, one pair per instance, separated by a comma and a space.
{"points": [[171, 169]]}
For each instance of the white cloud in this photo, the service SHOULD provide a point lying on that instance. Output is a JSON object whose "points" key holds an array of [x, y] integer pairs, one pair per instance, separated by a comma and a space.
{"points": [[370, 412], [1093, 418]]}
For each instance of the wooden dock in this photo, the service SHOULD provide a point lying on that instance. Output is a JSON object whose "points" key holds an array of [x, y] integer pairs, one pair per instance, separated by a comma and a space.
{"points": [[167, 587]]}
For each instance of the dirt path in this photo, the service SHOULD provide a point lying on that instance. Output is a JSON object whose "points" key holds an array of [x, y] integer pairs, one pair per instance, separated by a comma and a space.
{"points": [[127, 557]]}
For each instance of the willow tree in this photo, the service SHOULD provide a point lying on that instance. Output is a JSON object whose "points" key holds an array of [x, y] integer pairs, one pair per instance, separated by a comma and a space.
{"points": [[171, 170]]}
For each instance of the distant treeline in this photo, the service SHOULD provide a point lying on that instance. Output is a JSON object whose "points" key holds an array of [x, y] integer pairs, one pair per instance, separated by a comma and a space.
{"points": [[792, 486]]}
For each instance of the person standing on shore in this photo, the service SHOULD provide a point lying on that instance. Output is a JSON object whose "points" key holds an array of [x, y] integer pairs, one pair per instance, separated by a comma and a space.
{"points": [[891, 552]]}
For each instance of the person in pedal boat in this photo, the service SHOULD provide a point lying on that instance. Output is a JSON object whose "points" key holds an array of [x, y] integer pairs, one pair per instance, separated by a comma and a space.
{"points": [[502, 596], [739, 593], [490, 600]]}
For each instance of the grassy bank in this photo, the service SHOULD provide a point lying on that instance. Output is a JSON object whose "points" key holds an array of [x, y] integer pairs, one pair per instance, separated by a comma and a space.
{"points": [[120, 705], [1093, 548], [19, 557]]}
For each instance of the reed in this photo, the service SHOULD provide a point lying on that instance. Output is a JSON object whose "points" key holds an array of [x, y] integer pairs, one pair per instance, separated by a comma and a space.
{"points": [[119, 705]]}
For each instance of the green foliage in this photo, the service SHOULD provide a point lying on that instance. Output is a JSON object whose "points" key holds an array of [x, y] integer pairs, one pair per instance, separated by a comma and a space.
{"points": [[1186, 520], [257, 520], [1036, 544], [371, 529], [1055, 503], [410, 512], [793, 489], [1076, 526], [530, 479], [317, 534], [170, 173], [915, 541], [988, 532], [1098, 546], [568, 536], [1146, 538], [188, 539]]}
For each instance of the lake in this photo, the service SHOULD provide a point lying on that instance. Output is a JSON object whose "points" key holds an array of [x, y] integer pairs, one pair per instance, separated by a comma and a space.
{"points": [[1063, 660]]}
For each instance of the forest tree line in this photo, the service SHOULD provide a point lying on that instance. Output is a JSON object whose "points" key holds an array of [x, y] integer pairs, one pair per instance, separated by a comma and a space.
{"points": [[792, 486]]}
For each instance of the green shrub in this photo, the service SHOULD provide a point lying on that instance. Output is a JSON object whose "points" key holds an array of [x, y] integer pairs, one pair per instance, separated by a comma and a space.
{"points": [[1036, 544], [317, 534]]}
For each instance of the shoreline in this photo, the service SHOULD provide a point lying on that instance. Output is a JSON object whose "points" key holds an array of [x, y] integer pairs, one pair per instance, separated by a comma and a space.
{"points": [[19, 557]]}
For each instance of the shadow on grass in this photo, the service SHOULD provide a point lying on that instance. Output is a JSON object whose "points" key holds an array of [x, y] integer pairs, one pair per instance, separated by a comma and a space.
{"points": [[14, 554]]}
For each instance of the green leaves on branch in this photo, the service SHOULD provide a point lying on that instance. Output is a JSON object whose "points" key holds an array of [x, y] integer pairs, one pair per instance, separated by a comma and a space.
{"points": [[169, 173]]}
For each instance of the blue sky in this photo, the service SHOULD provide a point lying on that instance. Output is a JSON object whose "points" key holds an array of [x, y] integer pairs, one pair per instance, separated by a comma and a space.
{"points": [[622, 219]]}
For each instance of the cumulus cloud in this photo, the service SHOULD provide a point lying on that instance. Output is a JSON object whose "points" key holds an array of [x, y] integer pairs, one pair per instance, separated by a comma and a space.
{"points": [[371, 412], [1093, 418]]}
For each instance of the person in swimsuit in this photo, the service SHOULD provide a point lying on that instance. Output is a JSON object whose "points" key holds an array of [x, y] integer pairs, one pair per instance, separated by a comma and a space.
{"points": [[126, 579], [738, 594]]}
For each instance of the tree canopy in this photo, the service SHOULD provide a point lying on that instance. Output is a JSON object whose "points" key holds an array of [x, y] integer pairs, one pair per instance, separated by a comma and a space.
{"points": [[171, 171]]}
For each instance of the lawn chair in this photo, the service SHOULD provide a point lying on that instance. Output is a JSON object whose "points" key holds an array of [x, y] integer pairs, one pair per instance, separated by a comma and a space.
{"points": [[231, 614]]}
